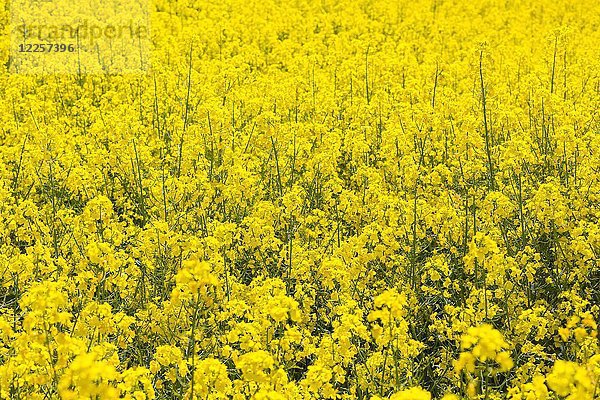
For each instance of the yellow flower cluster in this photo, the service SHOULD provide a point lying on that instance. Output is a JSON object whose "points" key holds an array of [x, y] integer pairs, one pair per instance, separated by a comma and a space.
{"points": [[573, 381], [311, 199], [484, 343]]}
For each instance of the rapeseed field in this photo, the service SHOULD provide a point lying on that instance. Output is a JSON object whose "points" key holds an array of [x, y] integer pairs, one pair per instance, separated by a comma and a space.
{"points": [[305, 199]]}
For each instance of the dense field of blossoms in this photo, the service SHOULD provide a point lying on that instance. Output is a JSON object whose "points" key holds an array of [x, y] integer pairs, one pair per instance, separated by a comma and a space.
{"points": [[310, 199]]}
